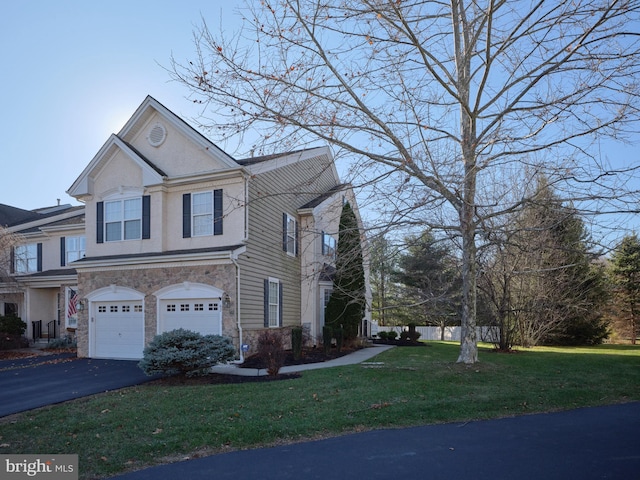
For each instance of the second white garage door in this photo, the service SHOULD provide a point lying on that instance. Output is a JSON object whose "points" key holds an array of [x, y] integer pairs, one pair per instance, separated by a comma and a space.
{"points": [[119, 330], [199, 315]]}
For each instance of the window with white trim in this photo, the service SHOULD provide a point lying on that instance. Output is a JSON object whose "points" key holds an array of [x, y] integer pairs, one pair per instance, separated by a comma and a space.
{"points": [[74, 248], [205, 212], [26, 258], [274, 302], [123, 220], [328, 245], [202, 213], [290, 235]]}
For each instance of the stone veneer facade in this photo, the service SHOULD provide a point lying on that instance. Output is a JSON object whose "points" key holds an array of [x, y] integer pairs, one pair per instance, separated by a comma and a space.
{"points": [[149, 280]]}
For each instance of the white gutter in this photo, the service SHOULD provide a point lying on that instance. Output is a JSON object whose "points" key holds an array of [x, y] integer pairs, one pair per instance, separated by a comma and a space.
{"points": [[107, 263]]}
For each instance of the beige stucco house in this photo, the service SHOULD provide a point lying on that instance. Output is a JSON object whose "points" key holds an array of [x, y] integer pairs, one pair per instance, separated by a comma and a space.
{"points": [[176, 233]]}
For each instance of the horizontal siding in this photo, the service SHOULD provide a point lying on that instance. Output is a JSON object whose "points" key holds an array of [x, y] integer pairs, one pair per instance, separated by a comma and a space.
{"points": [[271, 194]]}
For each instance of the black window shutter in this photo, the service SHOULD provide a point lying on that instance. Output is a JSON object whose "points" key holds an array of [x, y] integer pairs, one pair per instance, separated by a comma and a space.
{"points": [[100, 222], [280, 303], [186, 215], [12, 260], [297, 240], [217, 212], [63, 252], [266, 303], [146, 217], [284, 232], [39, 250]]}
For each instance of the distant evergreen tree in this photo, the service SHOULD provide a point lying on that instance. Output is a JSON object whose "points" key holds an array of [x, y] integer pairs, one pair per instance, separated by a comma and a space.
{"points": [[559, 291], [387, 302], [625, 273], [346, 305], [432, 278]]}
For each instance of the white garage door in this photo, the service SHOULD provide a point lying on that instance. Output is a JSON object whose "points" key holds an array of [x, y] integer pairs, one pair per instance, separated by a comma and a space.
{"points": [[119, 330], [199, 315]]}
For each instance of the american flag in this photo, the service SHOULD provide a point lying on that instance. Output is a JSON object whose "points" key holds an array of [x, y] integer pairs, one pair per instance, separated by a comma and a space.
{"points": [[73, 302]]}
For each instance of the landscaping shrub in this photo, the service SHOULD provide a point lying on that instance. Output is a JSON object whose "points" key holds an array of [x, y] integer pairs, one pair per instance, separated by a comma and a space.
{"points": [[296, 342], [9, 341], [66, 342], [271, 350], [12, 333], [185, 352], [338, 334], [12, 325], [409, 336], [383, 335], [392, 334], [327, 335]]}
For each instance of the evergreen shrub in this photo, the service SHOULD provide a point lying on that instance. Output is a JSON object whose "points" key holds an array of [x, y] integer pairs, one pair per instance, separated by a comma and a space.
{"points": [[12, 325], [327, 335], [296, 342], [185, 352]]}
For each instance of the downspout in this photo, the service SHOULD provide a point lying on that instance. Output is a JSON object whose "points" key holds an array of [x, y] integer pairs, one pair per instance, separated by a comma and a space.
{"points": [[235, 262], [234, 259]]}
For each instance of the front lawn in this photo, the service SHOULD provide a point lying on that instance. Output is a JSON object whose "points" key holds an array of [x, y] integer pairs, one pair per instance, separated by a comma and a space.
{"points": [[151, 424]]}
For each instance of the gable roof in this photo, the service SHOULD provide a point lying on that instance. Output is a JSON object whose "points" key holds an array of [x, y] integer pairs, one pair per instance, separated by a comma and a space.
{"points": [[149, 106], [123, 141], [13, 216], [83, 185], [266, 163], [328, 194], [265, 158]]}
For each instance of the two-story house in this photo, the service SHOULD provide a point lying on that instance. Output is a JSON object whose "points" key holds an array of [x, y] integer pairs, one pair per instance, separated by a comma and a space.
{"points": [[40, 286], [178, 234]]}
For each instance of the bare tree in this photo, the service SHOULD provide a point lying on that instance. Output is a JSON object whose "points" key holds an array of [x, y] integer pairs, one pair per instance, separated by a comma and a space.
{"points": [[8, 241], [442, 100], [10, 291]]}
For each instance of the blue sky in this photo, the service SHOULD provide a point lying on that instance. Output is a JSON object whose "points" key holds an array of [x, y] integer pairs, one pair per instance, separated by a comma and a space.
{"points": [[73, 72]]}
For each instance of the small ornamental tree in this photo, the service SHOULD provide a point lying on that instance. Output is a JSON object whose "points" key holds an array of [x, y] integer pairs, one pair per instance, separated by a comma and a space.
{"points": [[347, 302], [185, 352], [271, 351]]}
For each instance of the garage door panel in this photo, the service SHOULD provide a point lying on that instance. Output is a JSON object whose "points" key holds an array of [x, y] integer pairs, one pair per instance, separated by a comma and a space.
{"points": [[203, 316], [119, 330]]}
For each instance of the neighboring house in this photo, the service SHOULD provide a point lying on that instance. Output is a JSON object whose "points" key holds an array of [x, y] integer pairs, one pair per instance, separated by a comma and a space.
{"points": [[41, 284], [181, 235]]}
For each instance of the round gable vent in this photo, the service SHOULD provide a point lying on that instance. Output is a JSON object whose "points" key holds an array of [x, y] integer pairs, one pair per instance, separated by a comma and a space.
{"points": [[157, 135]]}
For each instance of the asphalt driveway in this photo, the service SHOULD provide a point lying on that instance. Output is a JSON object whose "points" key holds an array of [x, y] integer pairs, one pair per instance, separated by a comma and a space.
{"points": [[35, 382], [586, 444]]}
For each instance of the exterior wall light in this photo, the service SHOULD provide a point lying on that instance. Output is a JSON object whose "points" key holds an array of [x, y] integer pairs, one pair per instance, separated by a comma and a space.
{"points": [[226, 301]]}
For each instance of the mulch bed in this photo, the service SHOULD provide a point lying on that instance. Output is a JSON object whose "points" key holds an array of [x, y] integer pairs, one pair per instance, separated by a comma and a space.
{"points": [[18, 354], [312, 355], [15, 354], [400, 343]]}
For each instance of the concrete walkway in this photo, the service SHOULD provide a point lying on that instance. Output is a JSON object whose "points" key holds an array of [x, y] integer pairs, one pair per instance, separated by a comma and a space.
{"points": [[356, 357]]}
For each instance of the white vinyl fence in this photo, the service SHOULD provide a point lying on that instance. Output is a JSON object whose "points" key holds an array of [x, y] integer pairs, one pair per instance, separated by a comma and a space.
{"points": [[485, 334]]}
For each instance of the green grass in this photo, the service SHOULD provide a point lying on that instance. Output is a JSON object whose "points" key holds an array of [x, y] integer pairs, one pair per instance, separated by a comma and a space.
{"points": [[145, 425]]}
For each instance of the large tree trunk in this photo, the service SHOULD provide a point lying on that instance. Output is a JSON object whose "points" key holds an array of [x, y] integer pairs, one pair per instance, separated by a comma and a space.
{"points": [[467, 209], [468, 337]]}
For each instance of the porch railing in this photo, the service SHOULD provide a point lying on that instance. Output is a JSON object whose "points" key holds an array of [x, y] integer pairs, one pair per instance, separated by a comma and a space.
{"points": [[51, 330], [36, 330]]}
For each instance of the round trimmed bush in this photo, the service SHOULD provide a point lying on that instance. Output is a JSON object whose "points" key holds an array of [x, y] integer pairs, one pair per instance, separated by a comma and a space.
{"points": [[185, 352], [12, 325]]}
